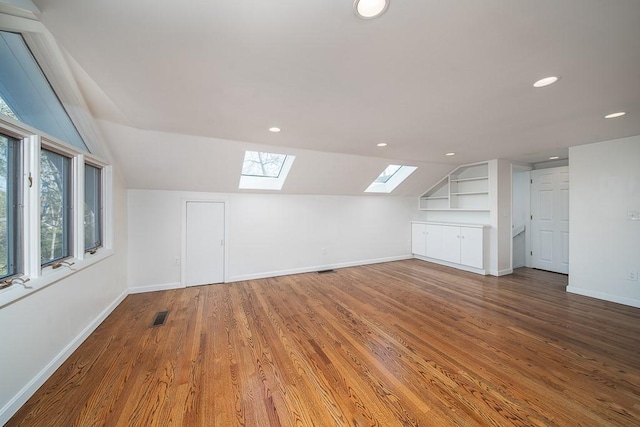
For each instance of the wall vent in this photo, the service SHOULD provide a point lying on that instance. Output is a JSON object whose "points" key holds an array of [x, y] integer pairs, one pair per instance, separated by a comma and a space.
{"points": [[326, 271], [159, 319]]}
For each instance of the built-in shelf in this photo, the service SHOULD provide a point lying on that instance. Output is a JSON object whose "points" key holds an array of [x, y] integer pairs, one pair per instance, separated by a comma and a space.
{"points": [[466, 188], [479, 178], [469, 193]]}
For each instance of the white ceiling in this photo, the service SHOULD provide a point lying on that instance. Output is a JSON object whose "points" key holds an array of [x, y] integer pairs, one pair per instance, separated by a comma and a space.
{"points": [[428, 77]]}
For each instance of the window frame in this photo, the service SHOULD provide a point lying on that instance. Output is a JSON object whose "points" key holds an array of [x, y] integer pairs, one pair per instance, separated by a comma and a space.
{"points": [[14, 214], [99, 197], [68, 208]]}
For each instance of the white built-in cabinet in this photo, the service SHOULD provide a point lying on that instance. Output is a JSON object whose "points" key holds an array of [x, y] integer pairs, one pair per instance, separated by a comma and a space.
{"points": [[459, 244]]}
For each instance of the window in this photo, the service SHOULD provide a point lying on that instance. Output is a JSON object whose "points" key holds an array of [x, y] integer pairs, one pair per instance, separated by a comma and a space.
{"points": [[10, 257], [268, 165], [390, 178], [55, 207], [387, 173], [27, 96], [92, 208], [265, 171]]}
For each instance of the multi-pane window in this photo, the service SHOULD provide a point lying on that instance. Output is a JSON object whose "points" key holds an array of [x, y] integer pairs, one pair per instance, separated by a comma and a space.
{"points": [[10, 256], [55, 207], [92, 208]]}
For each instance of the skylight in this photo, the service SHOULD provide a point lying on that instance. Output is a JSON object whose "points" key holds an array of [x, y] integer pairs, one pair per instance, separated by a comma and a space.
{"points": [[390, 178], [268, 165], [387, 173], [26, 94], [264, 171]]}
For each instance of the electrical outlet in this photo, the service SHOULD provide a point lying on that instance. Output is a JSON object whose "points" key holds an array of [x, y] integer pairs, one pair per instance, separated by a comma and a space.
{"points": [[633, 215], [324, 251], [176, 261], [633, 275]]}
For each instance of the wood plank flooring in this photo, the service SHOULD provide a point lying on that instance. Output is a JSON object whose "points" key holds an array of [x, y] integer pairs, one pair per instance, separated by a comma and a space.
{"points": [[406, 343]]}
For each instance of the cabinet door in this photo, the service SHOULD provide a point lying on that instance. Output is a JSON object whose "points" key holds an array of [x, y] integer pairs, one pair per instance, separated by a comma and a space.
{"points": [[471, 246], [418, 239], [434, 241], [451, 244]]}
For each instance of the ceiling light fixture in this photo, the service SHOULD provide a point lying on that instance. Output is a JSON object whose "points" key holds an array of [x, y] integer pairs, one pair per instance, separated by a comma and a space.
{"points": [[274, 129], [546, 81], [450, 154], [370, 9], [382, 144], [614, 115]]}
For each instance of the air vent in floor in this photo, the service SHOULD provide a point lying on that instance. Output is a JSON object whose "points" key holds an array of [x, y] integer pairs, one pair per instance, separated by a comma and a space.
{"points": [[160, 318]]}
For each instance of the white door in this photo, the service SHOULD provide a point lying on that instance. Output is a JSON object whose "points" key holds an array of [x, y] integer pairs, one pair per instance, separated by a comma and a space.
{"points": [[418, 239], [471, 242], [451, 244], [434, 241], [550, 219], [204, 257]]}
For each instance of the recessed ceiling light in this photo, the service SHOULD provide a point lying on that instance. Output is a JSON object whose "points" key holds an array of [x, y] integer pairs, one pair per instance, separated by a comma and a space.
{"points": [[369, 9], [274, 129], [450, 154], [614, 115], [546, 81], [381, 144], [554, 158]]}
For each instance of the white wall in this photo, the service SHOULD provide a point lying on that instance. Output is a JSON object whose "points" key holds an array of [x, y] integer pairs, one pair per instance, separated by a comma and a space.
{"points": [[520, 213], [41, 330], [604, 244], [269, 234]]}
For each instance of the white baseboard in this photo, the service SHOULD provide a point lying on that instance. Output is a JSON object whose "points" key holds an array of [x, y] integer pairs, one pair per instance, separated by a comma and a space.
{"points": [[32, 386], [453, 265], [314, 268], [606, 297], [501, 272], [154, 288]]}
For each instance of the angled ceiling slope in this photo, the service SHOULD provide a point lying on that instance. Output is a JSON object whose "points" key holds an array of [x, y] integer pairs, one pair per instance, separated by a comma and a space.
{"points": [[428, 77]]}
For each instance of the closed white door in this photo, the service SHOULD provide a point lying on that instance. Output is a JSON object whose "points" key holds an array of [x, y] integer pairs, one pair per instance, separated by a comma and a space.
{"points": [[204, 257], [418, 239], [550, 219], [471, 242]]}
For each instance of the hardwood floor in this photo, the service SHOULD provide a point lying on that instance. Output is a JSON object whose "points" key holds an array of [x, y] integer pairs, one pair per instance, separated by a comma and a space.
{"points": [[398, 344]]}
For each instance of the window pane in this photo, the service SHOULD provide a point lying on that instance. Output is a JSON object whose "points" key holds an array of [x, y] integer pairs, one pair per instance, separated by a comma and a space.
{"points": [[388, 173], [25, 93], [266, 165], [9, 196], [92, 208], [55, 207]]}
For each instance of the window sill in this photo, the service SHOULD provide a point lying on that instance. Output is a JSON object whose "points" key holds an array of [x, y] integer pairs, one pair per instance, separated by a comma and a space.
{"points": [[49, 276]]}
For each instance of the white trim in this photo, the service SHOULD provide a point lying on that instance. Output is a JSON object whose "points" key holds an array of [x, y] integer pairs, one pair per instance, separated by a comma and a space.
{"points": [[36, 382], [312, 269], [499, 273], [453, 265], [155, 288], [183, 235], [603, 296]]}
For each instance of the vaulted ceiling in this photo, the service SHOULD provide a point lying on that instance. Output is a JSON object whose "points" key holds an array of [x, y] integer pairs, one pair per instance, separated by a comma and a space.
{"points": [[428, 77]]}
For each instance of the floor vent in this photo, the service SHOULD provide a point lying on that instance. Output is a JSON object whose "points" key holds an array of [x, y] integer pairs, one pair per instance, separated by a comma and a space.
{"points": [[160, 318], [326, 271]]}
